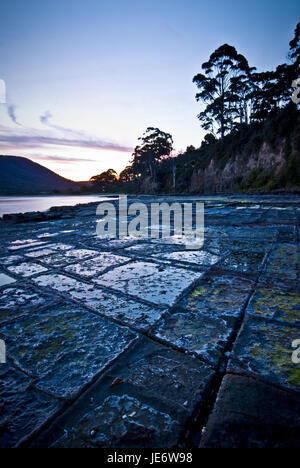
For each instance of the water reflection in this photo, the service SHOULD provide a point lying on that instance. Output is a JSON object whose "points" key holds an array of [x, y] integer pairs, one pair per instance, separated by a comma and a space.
{"points": [[25, 204]]}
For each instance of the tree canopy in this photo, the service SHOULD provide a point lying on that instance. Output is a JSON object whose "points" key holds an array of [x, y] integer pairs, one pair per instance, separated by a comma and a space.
{"points": [[154, 145], [234, 93], [224, 89], [294, 53], [105, 180]]}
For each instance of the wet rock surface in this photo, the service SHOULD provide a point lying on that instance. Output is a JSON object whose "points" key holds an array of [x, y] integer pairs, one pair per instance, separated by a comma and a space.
{"points": [[99, 264], [5, 279], [265, 349], [27, 269], [218, 294], [23, 409], [139, 342], [64, 347], [166, 381], [155, 283], [122, 421], [198, 334], [17, 301], [252, 414]]}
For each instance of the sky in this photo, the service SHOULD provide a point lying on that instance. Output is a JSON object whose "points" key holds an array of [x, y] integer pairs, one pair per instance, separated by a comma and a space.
{"points": [[84, 79]]}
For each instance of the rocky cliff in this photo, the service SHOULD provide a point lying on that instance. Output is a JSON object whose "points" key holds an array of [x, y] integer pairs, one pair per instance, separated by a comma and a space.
{"points": [[266, 157], [259, 170]]}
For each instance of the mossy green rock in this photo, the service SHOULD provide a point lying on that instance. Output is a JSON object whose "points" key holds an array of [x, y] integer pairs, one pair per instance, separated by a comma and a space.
{"points": [[264, 349]]}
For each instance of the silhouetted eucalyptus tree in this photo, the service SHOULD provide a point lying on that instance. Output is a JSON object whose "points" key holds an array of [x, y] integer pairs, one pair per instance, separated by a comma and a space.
{"points": [[105, 180], [127, 175], [223, 88], [262, 95], [294, 53], [155, 144]]}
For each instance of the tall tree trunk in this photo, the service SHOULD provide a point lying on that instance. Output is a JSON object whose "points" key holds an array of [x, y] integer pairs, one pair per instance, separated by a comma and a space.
{"points": [[174, 175], [151, 170], [222, 117]]}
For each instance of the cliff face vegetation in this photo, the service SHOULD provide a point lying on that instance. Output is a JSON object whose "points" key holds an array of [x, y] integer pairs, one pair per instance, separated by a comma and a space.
{"points": [[260, 156], [257, 157]]}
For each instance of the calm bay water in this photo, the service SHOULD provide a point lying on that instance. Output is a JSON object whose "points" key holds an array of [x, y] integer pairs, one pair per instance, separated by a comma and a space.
{"points": [[24, 204]]}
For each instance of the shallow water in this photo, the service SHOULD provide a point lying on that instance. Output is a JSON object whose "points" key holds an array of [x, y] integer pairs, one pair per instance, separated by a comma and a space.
{"points": [[25, 204]]}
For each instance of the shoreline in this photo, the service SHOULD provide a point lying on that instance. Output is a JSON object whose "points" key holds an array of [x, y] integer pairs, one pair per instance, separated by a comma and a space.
{"points": [[64, 211]]}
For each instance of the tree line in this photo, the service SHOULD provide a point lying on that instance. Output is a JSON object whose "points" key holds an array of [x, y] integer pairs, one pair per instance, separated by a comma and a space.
{"points": [[233, 95]]}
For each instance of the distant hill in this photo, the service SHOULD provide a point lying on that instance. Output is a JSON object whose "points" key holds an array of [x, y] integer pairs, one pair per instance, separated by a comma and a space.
{"points": [[20, 175]]}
